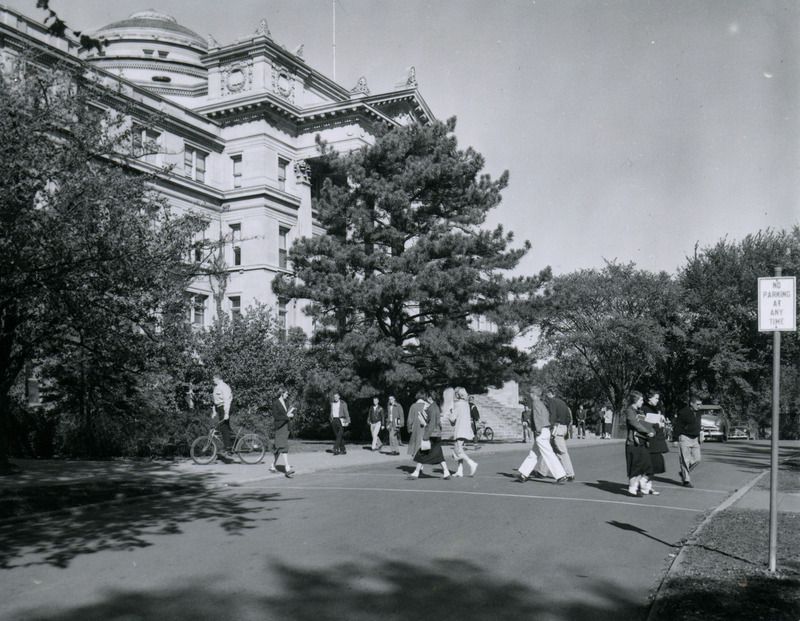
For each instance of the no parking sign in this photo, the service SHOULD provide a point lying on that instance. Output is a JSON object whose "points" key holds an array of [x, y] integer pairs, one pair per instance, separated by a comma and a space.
{"points": [[777, 304]]}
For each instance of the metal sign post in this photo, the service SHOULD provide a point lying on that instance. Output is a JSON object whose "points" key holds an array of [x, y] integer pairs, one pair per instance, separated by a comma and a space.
{"points": [[777, 311]]}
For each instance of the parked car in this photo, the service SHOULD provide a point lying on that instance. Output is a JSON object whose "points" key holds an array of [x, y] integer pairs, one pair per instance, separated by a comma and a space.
{"points": [[714, 422], [740, 432]]}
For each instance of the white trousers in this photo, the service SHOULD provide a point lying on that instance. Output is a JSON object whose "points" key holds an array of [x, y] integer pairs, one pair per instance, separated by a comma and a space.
{"points": [[542, 453], [375, 428]]}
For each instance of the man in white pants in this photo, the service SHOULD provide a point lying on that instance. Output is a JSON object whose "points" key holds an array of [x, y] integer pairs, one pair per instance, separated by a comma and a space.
{"points": [[541, 451]]}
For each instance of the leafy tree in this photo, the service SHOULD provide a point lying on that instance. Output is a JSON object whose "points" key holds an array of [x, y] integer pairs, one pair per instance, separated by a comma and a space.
{"points": [[256, 358], [405, 268], [727, 358], [92, 264], [614, 320]]}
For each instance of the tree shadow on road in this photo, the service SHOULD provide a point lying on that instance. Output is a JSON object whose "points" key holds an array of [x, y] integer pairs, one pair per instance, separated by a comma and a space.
{"points": [[126, 522], [385, 589]]}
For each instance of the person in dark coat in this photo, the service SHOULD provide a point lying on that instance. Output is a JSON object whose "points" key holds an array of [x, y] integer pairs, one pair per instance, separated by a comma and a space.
{"points": [[687, 430], [281, 415], [658, 444], [427, 435], [637, 455]]}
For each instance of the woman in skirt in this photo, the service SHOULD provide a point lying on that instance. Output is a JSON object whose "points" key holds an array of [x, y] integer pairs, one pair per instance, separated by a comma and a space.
{"points": [[637, 455], [462, 432], [426, 436], [281, 414], [658, 444]]}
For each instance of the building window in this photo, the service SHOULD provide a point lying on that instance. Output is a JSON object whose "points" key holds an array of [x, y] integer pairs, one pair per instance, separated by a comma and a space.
{"points": [[236, 306], [197, 309], [283, 247], [236, 241], [236, 160], [145, 143], [282, 165], [194, 164]]}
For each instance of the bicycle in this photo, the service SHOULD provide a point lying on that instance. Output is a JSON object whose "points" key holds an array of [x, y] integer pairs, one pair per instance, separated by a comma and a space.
{"points": [[249, 447], [483, 430]]}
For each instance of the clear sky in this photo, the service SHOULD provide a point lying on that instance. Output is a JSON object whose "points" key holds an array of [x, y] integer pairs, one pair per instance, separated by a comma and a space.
{"points": [[632, 129]]}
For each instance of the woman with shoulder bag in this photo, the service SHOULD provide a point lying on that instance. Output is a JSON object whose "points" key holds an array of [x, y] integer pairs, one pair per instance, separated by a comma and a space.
{"points": [[426, 436]]}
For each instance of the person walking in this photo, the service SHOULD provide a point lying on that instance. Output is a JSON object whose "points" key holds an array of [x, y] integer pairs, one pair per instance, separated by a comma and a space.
{"points": [[427, 434], [527, 424], [281, 415], [394, 423], [376, 421], [542, 449], [340, 418], [637, 455], [223, 400], [607, 418], [561, 419], [657, 445], [461, 418], [688, 430], [580, 422]]}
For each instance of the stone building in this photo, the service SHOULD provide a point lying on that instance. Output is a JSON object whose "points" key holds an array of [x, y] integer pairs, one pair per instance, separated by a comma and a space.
{"points": [[236, 124]]}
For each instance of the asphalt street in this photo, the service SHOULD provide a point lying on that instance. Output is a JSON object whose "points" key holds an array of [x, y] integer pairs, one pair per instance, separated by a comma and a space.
{"points": [[363, 542]]}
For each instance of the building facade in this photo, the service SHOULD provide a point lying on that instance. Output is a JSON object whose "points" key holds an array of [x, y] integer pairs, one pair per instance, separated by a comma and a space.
{"points": [[234, 130]]}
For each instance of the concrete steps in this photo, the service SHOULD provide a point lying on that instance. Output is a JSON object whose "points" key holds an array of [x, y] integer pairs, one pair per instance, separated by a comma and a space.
{"points": [[504, 419]]}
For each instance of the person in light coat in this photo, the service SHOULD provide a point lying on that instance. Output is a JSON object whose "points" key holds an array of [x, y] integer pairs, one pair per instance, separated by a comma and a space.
{"points": [[461, 419]]}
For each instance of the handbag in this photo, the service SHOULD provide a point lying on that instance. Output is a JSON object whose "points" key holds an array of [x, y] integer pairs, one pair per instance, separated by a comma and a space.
{"points": [[425, 445]]}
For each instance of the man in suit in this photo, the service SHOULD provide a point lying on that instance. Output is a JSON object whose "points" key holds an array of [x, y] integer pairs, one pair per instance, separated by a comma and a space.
{"points": [[340, 418], [395, 418], [375, 420]]}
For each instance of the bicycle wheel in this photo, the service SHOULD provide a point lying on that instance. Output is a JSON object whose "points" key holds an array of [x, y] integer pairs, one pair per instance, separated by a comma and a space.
{"points": [[251, 448], [203, 450], [489, 434]]}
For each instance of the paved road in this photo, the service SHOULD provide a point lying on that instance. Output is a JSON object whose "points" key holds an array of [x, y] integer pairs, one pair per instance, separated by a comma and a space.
{"points": [[365, 543]]}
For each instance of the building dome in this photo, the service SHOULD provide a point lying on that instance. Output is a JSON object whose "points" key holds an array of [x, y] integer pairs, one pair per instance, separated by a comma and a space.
{"points": [[153, 50], [153, 22]]}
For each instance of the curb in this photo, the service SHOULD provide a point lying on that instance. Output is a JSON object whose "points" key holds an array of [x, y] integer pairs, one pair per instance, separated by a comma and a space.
{"points": [[678, 561]]}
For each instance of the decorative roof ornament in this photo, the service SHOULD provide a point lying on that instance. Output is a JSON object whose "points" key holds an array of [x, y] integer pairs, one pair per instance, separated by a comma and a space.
{"points": [[361, 88], [299, 51], [409, 79], [263, 29], [212, 42]]}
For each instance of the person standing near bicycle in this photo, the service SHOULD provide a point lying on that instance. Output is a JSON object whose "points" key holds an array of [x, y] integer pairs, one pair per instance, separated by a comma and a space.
{"points": [[475, 416], [281, 415], [223, 399]]}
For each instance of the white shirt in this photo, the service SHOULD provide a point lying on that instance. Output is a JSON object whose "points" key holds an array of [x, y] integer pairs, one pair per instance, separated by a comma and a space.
{"points": [[335, 409]]}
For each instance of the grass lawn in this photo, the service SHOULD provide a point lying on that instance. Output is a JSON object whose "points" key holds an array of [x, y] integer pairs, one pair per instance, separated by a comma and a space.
{"points": [[724, 573]]}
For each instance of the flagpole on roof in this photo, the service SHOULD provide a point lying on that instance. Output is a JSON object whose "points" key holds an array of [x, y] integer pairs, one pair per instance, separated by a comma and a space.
{"points": [[334, 40]]}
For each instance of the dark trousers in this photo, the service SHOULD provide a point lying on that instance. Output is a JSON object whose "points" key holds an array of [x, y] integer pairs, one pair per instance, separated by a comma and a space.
{"points": [[338, 430], [225, 429], [581, 425]]}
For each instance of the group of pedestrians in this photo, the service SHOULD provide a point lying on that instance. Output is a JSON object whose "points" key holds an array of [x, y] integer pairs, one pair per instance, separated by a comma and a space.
{"points": [[549, 456], [548, 419], [646, 442]]}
